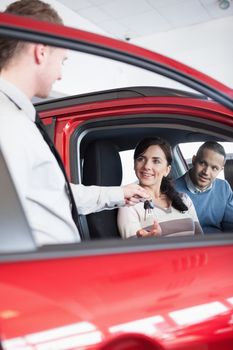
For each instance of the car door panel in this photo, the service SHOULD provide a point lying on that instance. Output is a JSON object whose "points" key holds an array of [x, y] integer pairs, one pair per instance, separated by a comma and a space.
{"points": [[119, 292]]}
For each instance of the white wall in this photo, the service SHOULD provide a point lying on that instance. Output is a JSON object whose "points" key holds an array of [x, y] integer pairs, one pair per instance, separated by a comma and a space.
{"points": [[207, 47]]}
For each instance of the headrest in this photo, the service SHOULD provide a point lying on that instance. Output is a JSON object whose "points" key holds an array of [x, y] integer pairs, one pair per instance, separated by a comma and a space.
{"points": [[102, 164], [228, 171]]}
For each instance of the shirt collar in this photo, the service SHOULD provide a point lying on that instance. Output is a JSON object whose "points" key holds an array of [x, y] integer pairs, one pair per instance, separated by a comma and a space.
{"points": [[18, 98], [192, 188]]}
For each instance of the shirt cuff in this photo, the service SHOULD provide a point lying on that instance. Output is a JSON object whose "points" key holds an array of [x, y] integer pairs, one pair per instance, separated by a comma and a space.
{"points": [[115, 197]]}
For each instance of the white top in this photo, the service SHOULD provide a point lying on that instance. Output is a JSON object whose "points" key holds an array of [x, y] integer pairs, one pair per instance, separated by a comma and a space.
{"points": [[172, 221], [38, 178]]}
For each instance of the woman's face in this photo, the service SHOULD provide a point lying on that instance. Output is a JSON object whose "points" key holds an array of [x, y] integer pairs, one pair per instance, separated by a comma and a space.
{"points": [[151, 166]]}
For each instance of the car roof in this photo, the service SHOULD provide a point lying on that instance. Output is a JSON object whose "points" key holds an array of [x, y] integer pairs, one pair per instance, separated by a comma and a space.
{"points": [[118, 93]]}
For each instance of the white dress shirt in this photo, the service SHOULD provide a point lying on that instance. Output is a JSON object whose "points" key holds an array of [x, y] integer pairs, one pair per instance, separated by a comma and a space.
{"points": [[38, 178]]}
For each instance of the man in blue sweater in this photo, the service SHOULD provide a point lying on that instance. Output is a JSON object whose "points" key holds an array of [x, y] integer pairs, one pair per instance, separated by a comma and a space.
{"points": [[212, 197]]}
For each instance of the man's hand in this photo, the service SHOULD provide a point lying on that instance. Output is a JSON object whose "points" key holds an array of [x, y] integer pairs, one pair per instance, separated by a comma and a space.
{"points": [[153, 232], [134, 194]]}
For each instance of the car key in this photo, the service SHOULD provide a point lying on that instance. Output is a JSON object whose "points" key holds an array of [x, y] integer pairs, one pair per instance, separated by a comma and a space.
{"points": [[148, 206]]}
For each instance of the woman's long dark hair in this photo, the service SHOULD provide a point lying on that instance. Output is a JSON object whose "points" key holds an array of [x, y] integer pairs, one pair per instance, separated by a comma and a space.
{"points": [[167, 185]]}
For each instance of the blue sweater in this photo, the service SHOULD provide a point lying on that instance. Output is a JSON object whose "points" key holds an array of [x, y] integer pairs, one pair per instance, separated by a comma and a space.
{"points": [[214, 207]]}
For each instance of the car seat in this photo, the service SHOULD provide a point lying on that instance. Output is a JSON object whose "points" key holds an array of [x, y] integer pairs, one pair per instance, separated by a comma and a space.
{"points": [[228, 171], [102, 167]]}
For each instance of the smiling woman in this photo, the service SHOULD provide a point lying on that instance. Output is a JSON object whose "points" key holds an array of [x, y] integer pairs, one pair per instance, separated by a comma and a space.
{"points": [[172, 213]]}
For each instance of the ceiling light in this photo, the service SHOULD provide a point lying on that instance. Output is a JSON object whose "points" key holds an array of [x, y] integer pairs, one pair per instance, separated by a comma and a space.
{"points": [[224, 4]]}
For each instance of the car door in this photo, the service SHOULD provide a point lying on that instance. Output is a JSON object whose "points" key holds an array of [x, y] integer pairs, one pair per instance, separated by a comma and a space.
{"points": [[123, 294]]}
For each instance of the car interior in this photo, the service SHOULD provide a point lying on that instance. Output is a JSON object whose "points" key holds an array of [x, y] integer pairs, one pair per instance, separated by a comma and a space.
{"points": [[228, 171], [96, 148]]}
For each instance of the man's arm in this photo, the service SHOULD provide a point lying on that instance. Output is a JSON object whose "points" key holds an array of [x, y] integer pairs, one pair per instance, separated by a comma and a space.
{"points": [[90, 199]]}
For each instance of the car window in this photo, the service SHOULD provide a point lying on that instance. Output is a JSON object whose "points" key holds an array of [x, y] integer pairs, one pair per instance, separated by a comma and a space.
{"points": [[128, 174], [85, 73], [187, 150]]}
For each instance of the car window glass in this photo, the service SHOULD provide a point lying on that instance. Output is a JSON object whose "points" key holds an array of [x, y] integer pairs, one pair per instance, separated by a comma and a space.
{"points": [[128, 174], [85, 73], [187, 150]]}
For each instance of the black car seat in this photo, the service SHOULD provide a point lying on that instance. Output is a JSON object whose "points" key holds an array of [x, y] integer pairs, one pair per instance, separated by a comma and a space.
{"points": [[228, 171], [102, 167]]}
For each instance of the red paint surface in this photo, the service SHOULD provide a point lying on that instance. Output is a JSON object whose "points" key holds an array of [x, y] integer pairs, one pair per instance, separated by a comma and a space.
{"points": [[122, 293]]}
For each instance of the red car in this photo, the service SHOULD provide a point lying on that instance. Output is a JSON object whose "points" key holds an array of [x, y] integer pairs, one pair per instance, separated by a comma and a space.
{"points": [[107, 293]]}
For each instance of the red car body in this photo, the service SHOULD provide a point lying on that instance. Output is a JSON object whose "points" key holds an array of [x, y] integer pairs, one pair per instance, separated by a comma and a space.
{"points": [[114, 294]]}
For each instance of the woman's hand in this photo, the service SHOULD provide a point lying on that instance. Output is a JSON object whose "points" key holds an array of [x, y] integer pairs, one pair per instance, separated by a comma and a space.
{"points": [[155, 231]]}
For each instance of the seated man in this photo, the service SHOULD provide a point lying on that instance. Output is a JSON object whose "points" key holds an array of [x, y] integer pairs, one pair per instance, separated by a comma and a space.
{"points": [[212, 197]]}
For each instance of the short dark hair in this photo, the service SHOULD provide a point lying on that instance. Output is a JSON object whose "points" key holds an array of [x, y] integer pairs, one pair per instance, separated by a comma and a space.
{"points": [[213, 146], [35, 9]]}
